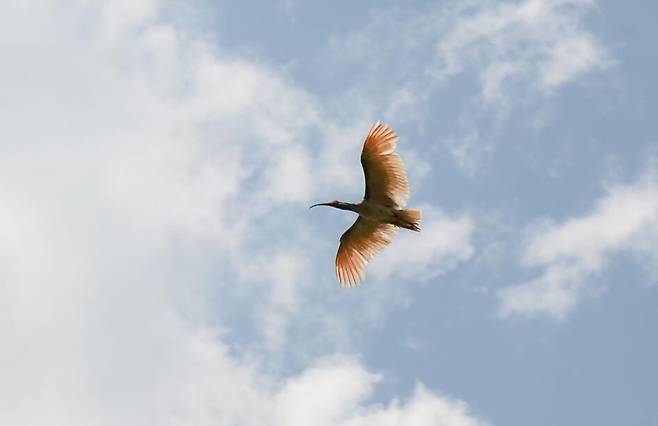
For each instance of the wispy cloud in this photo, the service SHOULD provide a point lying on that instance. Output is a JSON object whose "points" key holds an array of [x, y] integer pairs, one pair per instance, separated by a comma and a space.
{"points": [[572, 253], [283, 276], [512, 46], [537, 44]]}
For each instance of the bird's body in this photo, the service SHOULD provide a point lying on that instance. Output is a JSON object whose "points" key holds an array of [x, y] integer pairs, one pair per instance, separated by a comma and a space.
{"points": [[376, 212], [385, 214], [382, 210]]}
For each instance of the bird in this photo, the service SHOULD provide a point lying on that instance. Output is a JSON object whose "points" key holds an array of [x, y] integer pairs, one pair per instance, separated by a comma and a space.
{"points": [[381, 212]]}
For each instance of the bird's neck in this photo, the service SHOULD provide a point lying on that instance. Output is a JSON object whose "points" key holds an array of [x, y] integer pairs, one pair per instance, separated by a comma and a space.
{"points": [[345, 206]]}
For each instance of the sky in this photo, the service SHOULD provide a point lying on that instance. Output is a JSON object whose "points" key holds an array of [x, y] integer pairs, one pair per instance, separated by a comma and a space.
{"points": [[159, 263]]}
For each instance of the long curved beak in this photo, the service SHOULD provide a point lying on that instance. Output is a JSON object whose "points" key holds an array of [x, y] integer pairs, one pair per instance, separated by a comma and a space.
{"points": [[320, 204]]}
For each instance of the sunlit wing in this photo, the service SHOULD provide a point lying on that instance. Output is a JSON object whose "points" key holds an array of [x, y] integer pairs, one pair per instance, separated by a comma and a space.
{"points": [[386, 179], [358, 246]]}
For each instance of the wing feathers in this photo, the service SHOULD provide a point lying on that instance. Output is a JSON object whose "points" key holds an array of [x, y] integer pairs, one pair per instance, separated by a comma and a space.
{"points": [[358, 246], [386, 179]]}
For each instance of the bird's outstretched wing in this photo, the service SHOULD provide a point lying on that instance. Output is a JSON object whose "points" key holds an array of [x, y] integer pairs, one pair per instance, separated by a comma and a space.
{"points": [[358, 245], [386, 180]]}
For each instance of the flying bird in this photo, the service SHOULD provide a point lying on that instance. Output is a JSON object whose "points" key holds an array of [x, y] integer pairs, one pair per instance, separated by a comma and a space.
{"points": [[381, 212]]}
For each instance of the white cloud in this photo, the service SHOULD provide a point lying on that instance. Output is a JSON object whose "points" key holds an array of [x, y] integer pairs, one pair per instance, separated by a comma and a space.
{"points": [[133, 154], [443, 242], [572, 253], [303, 401]]}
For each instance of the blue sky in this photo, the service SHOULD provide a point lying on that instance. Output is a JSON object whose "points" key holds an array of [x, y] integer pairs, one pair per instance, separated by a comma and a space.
{"points": [[159, 264]]}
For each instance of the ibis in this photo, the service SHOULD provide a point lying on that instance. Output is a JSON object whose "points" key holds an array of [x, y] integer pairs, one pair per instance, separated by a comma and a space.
{"points": [[381, 212]]}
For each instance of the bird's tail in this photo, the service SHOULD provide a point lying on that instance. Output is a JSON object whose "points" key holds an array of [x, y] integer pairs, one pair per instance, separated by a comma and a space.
{"points": [[409, 219]]}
